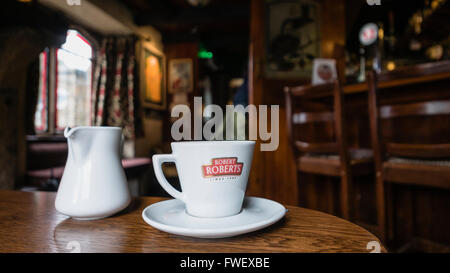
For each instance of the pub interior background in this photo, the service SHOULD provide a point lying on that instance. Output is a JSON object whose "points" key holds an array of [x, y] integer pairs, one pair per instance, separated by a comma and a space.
{"points": [[87, 62]]}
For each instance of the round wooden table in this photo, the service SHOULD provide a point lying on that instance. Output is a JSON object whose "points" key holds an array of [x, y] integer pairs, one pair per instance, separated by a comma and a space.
{"points": [[30, 223]]}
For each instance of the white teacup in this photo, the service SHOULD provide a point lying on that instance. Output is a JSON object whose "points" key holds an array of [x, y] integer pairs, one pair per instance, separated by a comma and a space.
{"points": [[213, 175]]}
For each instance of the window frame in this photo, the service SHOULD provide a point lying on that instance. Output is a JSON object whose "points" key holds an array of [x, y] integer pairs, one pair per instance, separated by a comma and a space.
{"points": [[43, 86]]}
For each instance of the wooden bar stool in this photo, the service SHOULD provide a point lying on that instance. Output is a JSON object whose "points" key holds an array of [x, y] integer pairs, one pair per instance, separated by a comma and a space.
{"points": [[325, 158], [414, 164]]}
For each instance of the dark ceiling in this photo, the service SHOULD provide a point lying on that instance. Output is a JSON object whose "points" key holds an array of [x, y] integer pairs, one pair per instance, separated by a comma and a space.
{"points": [[220, 25]]}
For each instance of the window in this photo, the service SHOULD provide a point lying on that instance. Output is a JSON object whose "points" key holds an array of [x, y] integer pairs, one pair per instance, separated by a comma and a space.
{"points": [[65, 85]]}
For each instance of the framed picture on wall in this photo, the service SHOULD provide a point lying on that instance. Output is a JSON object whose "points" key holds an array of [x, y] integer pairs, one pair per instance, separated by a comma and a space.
{"points": [[152, 77], [292, 38], [181, 75]]}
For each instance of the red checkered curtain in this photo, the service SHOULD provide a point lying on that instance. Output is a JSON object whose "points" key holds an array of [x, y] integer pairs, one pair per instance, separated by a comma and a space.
{"points": [[114, 85]]}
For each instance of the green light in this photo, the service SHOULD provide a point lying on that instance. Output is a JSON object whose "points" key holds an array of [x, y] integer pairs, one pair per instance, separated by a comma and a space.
{"points": [[203, 54]]}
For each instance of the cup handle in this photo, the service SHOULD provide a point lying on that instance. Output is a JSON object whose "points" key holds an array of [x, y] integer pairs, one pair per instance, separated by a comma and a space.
{"points": [[158, 160]]}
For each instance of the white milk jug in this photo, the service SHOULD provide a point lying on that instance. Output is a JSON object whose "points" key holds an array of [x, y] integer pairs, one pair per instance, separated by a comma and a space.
{"points": [[93, 185]]}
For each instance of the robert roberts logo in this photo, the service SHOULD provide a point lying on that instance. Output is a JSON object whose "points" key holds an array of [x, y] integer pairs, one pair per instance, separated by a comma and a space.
{"points": [[223, 166], [373, 2]]}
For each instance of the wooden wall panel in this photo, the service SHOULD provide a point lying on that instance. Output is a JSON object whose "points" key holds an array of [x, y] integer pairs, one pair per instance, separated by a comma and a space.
{"points": [[273, 173], [332, 26]]}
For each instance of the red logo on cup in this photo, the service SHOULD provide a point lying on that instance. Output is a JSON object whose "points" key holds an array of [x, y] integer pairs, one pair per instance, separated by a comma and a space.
{"points": [[223, 166]]}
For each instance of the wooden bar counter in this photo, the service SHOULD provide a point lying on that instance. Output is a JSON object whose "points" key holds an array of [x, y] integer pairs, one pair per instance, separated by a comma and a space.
{"points": [[438, 71], [30, 223]]}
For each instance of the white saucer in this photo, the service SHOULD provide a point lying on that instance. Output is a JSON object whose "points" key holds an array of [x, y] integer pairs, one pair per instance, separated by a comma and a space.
{"points": [[170, 216]]}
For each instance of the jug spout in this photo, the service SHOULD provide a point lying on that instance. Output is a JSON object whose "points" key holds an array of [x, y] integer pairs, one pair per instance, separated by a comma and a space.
{"points": [[78, 146], [69, 131]]}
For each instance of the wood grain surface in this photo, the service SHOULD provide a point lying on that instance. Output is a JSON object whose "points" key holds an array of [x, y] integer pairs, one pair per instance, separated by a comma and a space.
{"points": [[30, 223]]}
